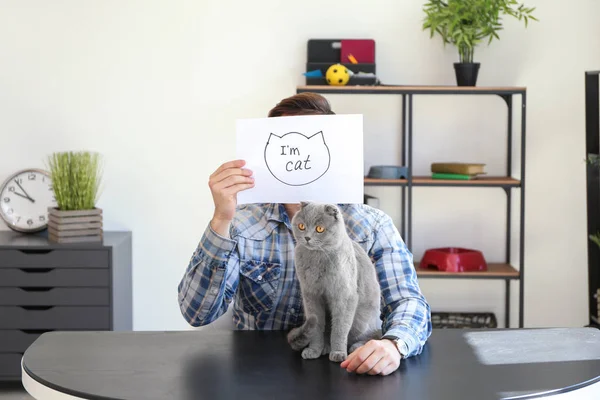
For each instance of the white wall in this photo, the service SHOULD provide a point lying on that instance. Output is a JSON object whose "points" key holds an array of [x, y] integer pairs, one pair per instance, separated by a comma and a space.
{"points": [[156, 86]]}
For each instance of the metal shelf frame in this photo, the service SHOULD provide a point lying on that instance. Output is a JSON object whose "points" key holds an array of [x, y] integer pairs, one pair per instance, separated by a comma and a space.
{"points": [[592, 149], [407, 132]]}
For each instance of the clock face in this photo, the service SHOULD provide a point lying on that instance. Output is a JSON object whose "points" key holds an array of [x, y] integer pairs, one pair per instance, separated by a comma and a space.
{"points": [[24, 200]]}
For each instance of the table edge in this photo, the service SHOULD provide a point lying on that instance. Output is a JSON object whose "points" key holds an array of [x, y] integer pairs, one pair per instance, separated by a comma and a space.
{"points": [[29, 377], [556, 392], [36, 384]]}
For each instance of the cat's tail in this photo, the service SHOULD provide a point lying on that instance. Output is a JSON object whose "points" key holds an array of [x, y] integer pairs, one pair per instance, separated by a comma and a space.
{"points": [[299, 337]]}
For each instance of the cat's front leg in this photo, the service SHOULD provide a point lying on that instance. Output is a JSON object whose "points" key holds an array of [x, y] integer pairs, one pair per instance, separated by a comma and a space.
{"points": [[342, 316], [314, 307]]}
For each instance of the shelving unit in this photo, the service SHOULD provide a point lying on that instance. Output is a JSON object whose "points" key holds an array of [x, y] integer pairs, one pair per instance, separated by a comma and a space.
{"points": [[496, 271]]}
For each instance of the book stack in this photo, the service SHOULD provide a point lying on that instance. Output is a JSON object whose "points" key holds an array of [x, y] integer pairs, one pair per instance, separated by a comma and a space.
{"points": [[456, 170]]}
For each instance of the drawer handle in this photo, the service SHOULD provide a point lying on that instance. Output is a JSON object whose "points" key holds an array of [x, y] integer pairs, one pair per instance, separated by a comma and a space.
{"points": [[36, 270], [36, 331], [36, 289], [37, 308], [36, 251]]}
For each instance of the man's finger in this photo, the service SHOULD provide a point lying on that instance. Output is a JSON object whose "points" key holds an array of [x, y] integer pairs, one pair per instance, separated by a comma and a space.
{"points": [[360, 356], [235, 189], [229, 164], [388, 369], [345, 363], [348, 360], [232, 180], [229, 172], [371, 362], [381, 364]]}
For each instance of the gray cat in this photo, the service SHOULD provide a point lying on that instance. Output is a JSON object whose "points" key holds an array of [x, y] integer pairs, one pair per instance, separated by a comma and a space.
{"points": [[339, 286]]}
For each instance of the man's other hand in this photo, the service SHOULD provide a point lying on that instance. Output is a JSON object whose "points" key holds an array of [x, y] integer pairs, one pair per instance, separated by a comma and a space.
{"points": [[225, 183], [376, 357]]}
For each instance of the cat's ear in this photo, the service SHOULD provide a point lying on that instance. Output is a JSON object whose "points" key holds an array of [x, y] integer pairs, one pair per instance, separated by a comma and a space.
{"points": [[304, 204], [318, 135], [273, 136], [332, 210]]}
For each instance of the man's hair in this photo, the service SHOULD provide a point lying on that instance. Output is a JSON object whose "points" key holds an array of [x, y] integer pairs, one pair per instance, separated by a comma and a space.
{"points": [[302, 104]]}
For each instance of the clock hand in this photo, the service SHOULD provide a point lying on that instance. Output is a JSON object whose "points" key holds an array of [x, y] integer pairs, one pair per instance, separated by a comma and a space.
{"points": [[28, 197], [25, 197]]}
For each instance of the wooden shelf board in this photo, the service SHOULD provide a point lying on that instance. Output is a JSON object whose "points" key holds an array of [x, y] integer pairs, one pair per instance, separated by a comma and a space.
{"points": [[428, 181], [424, 89], [480, 181], [495, 271]]}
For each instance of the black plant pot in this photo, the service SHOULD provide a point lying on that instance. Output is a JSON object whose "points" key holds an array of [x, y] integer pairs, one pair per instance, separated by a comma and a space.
{"points": [[466, 73]]}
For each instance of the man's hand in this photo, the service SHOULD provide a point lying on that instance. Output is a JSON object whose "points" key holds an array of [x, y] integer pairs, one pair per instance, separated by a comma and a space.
{"points": [[225, 183], [376, 357]]}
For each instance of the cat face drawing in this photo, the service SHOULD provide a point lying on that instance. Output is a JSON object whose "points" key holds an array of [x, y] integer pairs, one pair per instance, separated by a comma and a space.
{"points": [[296, 159]]}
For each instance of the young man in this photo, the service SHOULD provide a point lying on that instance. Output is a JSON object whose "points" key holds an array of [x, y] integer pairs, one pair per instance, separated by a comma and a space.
{"points": [[246, 256]]}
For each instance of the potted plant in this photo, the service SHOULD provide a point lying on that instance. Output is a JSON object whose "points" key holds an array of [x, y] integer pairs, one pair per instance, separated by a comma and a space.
{"points": [[466, 23], [76, 180]]}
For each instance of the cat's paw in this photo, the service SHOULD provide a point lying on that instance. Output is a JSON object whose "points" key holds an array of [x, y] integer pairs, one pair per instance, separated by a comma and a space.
{"points": [[310, 353], [337, 356]]}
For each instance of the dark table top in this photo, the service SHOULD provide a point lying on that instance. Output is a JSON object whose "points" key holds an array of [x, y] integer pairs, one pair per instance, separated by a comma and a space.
{"points": [[215, 364]]}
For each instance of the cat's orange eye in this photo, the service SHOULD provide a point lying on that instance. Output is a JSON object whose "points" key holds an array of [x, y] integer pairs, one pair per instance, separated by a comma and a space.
{"points": [[320, 229], [301, 227]]}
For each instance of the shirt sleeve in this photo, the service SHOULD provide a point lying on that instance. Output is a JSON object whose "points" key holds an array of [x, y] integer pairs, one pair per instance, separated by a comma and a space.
{"points": [[210, 279], [405, 312]]}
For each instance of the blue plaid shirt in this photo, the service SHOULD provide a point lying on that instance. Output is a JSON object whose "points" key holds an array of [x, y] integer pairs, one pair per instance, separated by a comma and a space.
{"points": [[254, 269]]}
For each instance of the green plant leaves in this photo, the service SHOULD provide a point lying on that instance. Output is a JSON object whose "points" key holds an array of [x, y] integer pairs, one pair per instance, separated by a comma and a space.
{"points": [[594, 160], [75, 179], [595, 238], [465, 23]]}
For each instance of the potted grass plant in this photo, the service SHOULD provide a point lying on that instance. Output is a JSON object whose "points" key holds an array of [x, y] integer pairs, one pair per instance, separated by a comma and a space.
{"points": [[76, 178], [466, 24]]}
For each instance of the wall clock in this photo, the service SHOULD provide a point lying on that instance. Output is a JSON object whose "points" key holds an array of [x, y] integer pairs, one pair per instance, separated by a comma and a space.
{"points": [[24, 200]]}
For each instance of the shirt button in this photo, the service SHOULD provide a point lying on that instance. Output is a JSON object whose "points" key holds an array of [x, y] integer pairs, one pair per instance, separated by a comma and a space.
{"points": [[259, 278], [292, 311], [215, 291]]}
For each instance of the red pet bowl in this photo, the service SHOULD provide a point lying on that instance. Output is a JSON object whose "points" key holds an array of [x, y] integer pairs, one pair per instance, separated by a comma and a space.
{"points": [[454, 259]]}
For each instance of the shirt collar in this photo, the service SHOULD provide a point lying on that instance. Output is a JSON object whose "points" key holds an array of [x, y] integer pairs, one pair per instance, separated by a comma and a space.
{"points": [[276, 212]]}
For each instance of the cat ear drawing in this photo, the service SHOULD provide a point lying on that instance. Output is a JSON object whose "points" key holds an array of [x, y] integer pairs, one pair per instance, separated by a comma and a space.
{"points": [[274, 136], [318, 134]]}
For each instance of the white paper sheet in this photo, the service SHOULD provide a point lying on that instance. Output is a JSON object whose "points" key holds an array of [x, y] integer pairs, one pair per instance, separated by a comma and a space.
{"points": [[303, 158]]}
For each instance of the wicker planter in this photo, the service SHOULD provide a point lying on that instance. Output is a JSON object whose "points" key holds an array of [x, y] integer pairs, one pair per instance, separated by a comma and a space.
{"points": [[74, 226]]}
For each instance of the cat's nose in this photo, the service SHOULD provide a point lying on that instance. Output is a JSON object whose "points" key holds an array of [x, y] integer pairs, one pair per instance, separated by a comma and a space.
{"points": [[307, 239]]}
